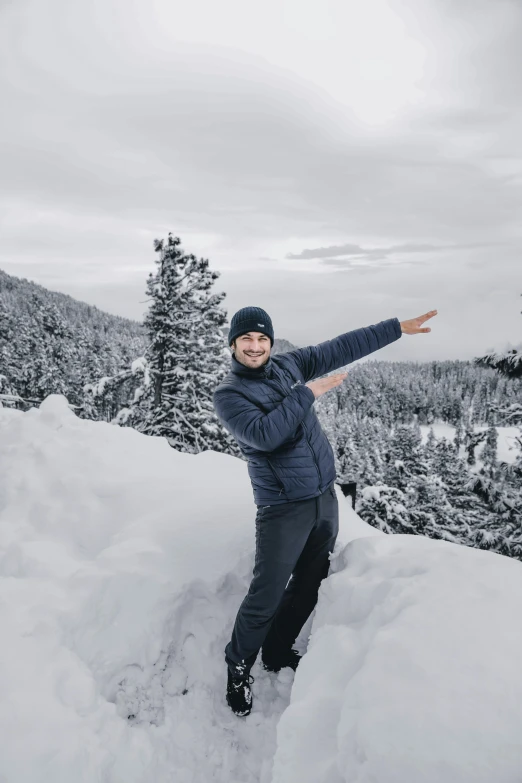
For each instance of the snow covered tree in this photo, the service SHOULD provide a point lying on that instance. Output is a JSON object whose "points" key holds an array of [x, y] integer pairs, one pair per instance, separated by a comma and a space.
{"points": [[405, 458], [384, 507], [429, 511], [186, 356], [499, 484], [55, 351], [458, 440], [431, 443], [489, 452], [376, 447], [51, 343], [103, 399], [509, 362], [471, 441]]}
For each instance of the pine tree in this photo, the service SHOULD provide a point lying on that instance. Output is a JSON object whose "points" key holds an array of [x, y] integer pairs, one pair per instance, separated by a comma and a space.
{"points": [[500, 485], [186, 357], [56, 350], [404, 456], [6, 352], [471, 440], [429, 510], [508, 363], [459, 436], [431, 443], [489, 452], [385, 508], [103, 399]]}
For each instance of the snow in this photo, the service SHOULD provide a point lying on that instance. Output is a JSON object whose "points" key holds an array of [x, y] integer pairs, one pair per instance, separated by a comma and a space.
{"points": [[139, 365], [98, 389], [122, 565], [411, 672]]}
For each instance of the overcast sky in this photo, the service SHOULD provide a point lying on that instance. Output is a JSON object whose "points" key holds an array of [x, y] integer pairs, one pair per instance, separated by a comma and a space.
{"points": [[339, 162]]}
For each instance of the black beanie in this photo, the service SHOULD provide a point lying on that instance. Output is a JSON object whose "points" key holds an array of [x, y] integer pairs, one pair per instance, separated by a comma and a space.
{"points": [[250, 319]]}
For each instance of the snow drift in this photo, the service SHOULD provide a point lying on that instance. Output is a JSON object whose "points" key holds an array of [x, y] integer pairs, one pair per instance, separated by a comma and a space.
{"points": [[411, 672], [122, 565]]}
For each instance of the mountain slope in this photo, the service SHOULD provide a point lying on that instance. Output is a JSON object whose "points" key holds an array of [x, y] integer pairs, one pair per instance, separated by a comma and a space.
{"points": [[52, 343]]}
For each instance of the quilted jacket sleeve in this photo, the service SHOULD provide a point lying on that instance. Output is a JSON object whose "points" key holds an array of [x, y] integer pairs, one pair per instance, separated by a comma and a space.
{"points": [[317, 360], [263, 431]]}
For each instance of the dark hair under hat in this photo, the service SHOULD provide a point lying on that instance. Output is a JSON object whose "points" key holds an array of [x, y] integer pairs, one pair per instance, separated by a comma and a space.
{"points": [[250, 319]]}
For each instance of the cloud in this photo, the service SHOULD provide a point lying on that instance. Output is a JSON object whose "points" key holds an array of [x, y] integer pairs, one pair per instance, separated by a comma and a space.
{"points": [[104, 123], [124, 122], [349, 256], [331, 254]]}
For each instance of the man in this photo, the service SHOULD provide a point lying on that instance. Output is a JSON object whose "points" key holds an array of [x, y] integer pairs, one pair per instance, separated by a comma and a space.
{"points": [[266, 403]]}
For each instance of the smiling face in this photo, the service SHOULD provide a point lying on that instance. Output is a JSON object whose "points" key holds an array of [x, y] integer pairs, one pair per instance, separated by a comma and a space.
{"points": [[252, 349]]}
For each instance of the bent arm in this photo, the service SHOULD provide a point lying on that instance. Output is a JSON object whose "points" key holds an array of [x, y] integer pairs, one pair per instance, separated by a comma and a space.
{"points": [[317, 360], [263, 431]]}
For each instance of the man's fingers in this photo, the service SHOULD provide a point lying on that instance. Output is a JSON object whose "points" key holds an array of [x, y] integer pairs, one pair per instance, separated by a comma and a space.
{"points": [[332, 380], [325, 384]]}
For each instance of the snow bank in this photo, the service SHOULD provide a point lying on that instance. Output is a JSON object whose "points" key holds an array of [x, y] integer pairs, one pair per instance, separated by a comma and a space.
{"points": [[122, 566], [412, 671]]}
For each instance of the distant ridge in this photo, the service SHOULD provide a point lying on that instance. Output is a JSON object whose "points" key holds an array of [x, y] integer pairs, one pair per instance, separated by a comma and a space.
{"points": [[21, 289]]}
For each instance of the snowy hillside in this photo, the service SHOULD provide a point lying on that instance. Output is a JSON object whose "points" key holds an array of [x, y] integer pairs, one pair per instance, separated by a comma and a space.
{"points": [[122, 565]]}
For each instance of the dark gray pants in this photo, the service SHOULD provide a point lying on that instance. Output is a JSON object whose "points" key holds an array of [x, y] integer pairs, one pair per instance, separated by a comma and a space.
{"points": [[292, 540]]}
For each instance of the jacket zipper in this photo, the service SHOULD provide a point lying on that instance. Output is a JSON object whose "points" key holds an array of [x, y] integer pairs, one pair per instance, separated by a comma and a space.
{"points": [[276, 476], [312, 453]]}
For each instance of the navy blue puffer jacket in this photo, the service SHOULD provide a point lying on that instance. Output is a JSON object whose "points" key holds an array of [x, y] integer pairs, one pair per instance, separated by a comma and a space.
{"points": [[270, 412]]}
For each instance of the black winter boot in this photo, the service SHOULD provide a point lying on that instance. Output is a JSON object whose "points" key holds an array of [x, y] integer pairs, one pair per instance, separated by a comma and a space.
{"points": [[239, 693], [291, 659]]}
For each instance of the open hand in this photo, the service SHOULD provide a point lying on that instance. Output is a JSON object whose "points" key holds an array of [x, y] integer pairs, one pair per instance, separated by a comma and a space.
{"points": [[413, 326], [325, 384]]}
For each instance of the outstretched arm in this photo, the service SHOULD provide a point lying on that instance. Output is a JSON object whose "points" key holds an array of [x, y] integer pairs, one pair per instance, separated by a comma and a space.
{"points": [[317, 360]]}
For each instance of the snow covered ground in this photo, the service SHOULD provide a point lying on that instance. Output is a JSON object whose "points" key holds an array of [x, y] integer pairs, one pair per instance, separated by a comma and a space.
{"points": [[122, 565], [411, 673]]}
